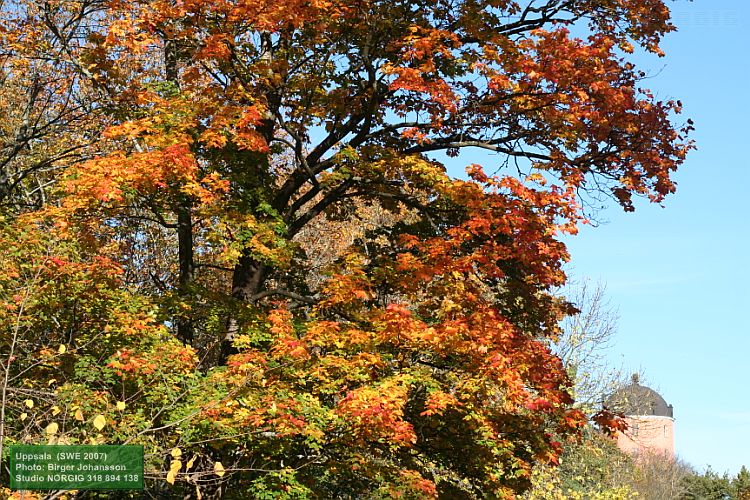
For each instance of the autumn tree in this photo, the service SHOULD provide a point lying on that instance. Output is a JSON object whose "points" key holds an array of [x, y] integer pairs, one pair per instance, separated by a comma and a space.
{"points": [[50, 112], [417, 361]]}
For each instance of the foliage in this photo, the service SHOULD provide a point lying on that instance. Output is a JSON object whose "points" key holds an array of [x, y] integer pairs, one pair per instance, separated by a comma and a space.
{"points": [[711, 485], [741, 484], [162, 290], [591, 469], [596, 468]]}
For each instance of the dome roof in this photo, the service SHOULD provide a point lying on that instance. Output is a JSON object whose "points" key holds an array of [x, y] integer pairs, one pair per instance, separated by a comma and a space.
{"points": [[638, 400]]}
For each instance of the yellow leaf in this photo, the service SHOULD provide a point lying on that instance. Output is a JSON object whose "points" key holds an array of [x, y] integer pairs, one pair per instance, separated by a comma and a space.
{"points": [[51, 381], [62, 349], [121, 405], [100, 422], [52, 428], [176, 453], [174, 468], [79, 415], [23, 416], [219, 469], [190, 463], [171, 476], [29, 403], [55, 410]]}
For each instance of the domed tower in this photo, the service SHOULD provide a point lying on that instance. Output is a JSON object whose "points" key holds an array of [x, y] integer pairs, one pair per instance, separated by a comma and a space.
{"points": [[650, 419]]}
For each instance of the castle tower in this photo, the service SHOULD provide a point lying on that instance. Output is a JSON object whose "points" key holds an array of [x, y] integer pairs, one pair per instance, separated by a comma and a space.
{"points": [[650, 420]]}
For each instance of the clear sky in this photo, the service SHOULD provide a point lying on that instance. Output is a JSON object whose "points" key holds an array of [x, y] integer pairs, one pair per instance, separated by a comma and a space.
{"points": [[679, 275]]}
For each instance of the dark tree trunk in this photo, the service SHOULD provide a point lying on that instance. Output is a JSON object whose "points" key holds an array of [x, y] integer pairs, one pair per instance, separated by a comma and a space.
{"points": [[184, 221], [247, 280], [187, 268]]}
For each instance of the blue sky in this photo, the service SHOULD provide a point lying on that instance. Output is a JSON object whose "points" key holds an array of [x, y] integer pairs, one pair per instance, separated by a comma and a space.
{"points": [[679, 275]]}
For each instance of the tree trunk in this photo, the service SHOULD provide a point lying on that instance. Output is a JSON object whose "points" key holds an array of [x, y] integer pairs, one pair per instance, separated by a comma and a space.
{"points": [[247, 280], [249, 274], [184, 221], [187, 268]]}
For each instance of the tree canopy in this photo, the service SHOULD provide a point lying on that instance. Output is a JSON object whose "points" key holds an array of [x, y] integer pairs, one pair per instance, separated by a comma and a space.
{"points": [[229, 231]]}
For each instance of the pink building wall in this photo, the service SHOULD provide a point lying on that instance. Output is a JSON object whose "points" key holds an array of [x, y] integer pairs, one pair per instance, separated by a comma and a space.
{"points": [[653, 434]]}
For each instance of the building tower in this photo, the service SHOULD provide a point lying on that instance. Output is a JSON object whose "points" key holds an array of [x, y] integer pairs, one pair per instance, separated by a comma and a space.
{"points": [[650, 420]]}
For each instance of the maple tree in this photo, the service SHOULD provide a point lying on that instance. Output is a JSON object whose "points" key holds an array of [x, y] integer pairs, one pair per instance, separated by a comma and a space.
{"points": [[49, 113], [227, 142]]}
